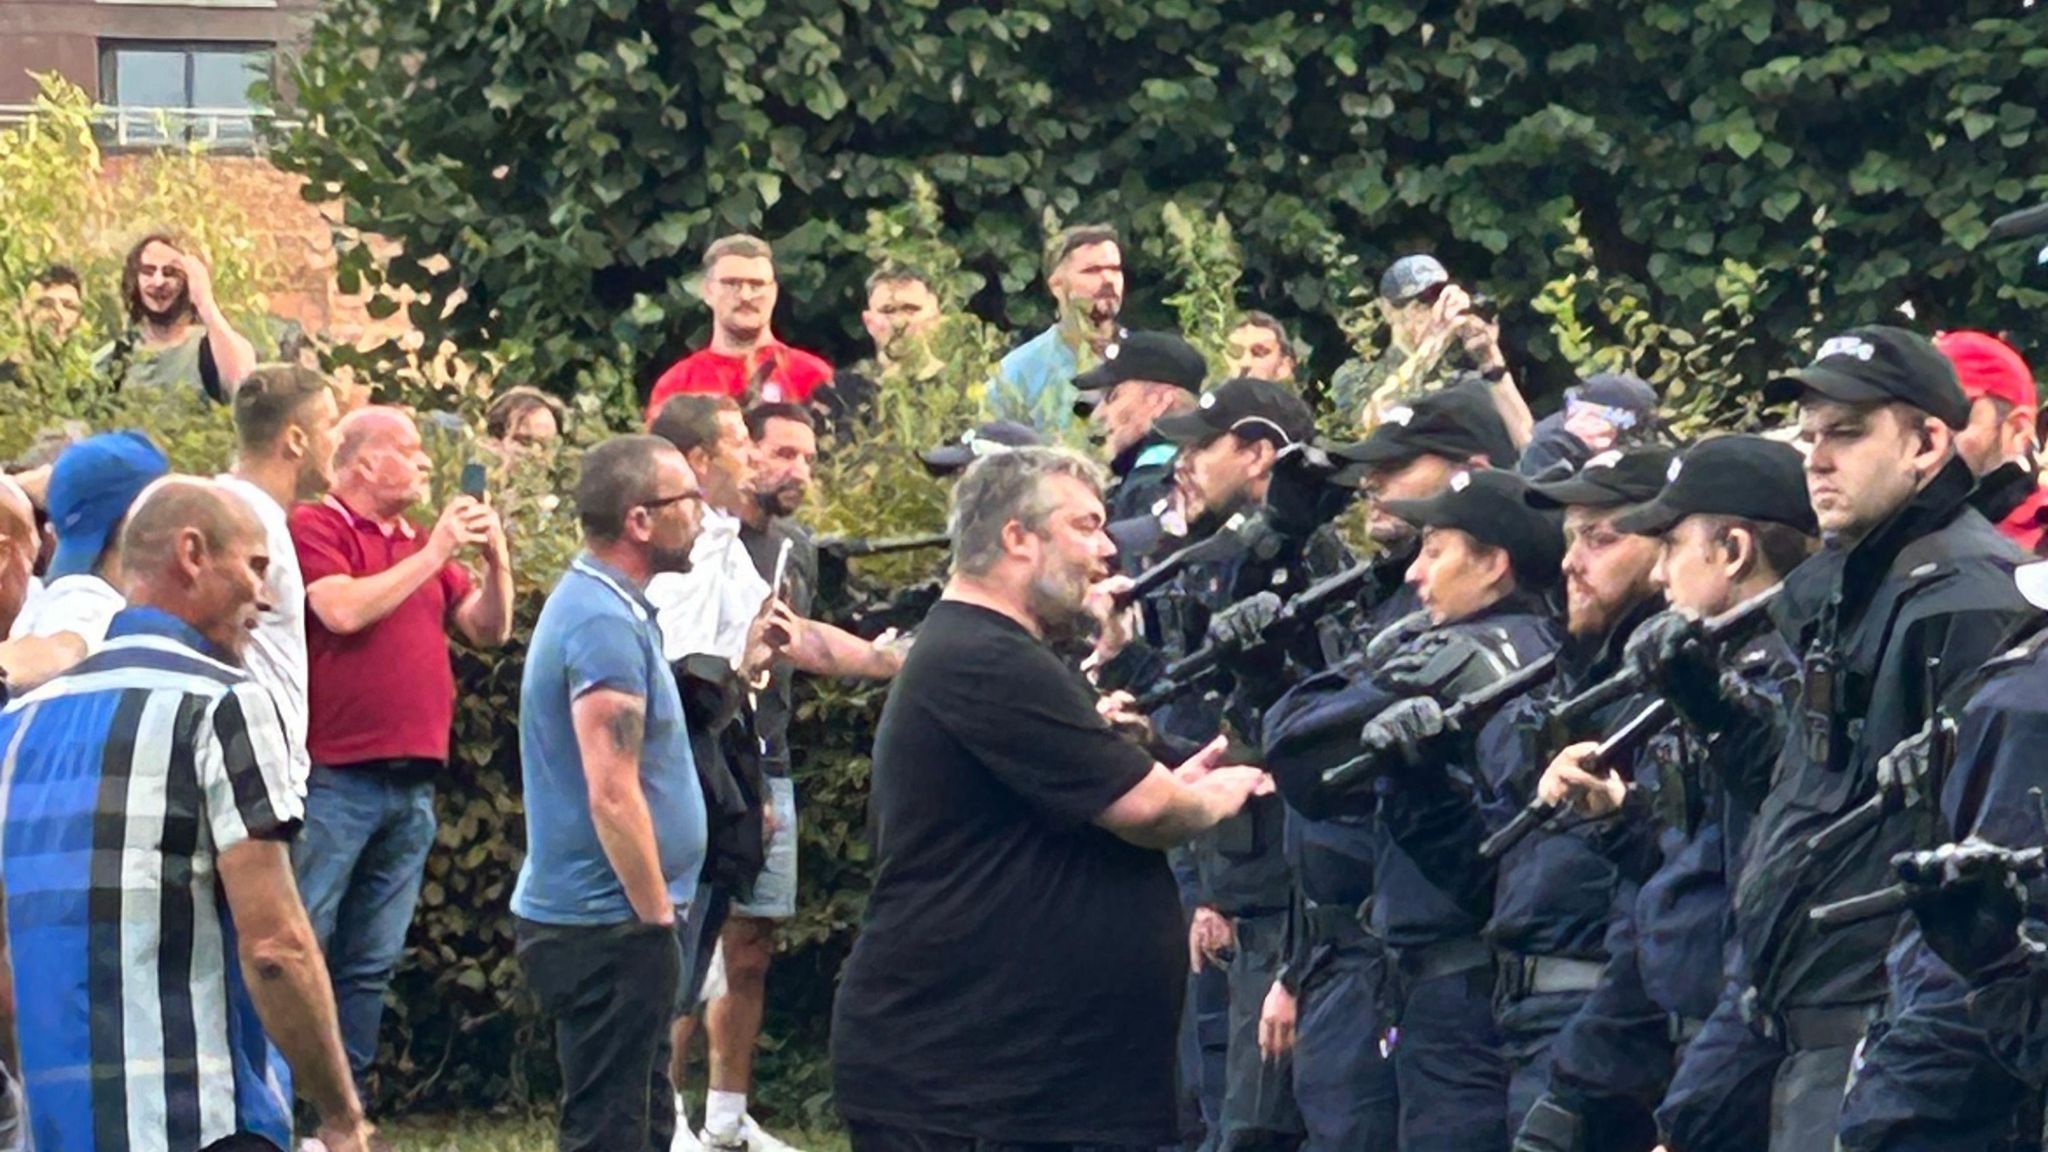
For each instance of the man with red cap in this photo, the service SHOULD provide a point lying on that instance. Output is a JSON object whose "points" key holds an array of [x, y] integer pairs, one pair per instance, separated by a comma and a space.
{"points": [[1999, 442]]}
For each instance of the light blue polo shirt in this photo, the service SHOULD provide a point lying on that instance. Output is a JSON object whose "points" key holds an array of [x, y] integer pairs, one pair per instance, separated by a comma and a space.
{"points": [[597, 631], [1034, 383]]}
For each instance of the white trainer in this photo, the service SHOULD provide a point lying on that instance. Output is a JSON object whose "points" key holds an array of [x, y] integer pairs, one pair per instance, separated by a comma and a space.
{"points": [[759, 1139]]}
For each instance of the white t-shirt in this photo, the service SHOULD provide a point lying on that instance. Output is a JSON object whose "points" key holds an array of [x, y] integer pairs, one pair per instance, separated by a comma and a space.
{"points": [[84, 604], [710, 607], [276, 655]]}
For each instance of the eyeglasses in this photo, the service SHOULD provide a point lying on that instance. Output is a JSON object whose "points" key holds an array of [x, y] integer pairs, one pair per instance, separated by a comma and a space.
{"points": [[665, 501]]}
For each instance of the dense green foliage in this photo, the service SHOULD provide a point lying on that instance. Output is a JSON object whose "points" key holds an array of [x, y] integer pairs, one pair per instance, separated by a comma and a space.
{"points": [[570, 160]]}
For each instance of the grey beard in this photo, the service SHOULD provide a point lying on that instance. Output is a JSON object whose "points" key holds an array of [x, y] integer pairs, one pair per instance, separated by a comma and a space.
{"points": [[1061, 614]]}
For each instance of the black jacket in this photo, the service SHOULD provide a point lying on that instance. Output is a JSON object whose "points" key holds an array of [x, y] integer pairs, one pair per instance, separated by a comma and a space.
{"points": [[1933, 582]]}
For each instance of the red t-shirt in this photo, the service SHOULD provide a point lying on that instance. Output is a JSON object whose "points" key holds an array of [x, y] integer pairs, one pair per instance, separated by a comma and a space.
{"points": [[388, 691], [2025, 524], [792, 375]]}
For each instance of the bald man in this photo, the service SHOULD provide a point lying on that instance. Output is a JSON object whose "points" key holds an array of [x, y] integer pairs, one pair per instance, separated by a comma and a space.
{"points": [[28, 660], [380, 595], [167, 721]]}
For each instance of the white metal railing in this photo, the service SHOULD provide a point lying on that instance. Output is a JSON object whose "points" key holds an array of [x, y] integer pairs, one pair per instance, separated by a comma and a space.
{"points": [[133, 126]]}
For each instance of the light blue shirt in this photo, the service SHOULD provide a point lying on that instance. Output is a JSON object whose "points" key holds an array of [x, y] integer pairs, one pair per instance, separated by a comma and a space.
{"points": [[1034, 383], [597, 631]]}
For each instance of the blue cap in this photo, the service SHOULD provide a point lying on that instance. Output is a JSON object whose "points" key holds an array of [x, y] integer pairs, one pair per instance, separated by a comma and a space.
{"points": [[91, 487]]}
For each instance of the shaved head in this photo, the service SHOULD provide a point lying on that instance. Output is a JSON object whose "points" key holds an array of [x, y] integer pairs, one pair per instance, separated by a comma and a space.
{"points": [[167, 509]]}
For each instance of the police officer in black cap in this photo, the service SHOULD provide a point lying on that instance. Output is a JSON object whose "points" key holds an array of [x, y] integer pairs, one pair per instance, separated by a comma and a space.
{"points": [[1909, 574], [953, 457], [1346, 751], [1733, 521], [1143, 377], [1230, 445], [1411, 455]]}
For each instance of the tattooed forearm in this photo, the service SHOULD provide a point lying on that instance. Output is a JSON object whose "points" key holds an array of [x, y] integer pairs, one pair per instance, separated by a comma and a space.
{"points": [[626, 727]]}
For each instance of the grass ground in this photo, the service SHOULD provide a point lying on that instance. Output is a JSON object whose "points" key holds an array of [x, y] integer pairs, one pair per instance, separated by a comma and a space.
{"points": [[525, 1134]]}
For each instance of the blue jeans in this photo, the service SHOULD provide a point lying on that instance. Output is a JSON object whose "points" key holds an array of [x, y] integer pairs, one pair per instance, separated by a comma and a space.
{"points": [[360, 860]]}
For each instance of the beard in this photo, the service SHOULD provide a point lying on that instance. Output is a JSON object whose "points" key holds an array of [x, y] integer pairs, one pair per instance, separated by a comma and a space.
{"points": [[783, 499], [1059, 602], [180, 307], [1104, 307], [668, 559]]}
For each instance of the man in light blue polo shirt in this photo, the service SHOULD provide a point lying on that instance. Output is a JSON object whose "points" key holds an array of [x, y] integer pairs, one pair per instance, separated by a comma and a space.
{"points": [[615, 823], [1084, 268]]}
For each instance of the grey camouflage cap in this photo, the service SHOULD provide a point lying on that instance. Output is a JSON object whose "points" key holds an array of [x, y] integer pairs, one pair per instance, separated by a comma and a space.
{"points": [[1411, 276]]}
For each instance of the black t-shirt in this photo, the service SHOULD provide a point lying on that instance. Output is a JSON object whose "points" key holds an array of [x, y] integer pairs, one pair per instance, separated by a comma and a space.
{"points": [[1019, 973], [773, 709]]}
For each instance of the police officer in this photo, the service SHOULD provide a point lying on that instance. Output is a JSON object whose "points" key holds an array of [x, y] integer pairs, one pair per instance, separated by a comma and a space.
{"points": [[1325, 998], [1941, 1071], [952, 458], [1484, 559], [1553, 894], [1143, 377], [1733, 521], [1909, 573], [1228, 447], [1411, 455]]}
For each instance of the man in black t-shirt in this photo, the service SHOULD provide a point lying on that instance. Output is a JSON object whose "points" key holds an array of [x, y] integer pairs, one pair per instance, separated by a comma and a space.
{"points": [[1019, 972]]}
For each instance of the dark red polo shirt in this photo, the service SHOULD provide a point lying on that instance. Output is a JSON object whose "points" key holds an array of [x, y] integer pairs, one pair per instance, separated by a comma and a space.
{"points": [[387, 692], [789, 375]]}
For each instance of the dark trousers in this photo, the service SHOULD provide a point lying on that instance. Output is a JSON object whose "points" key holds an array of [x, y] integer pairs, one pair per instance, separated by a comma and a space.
{"points": [[608, 990], [1344, 1086], [1451, 1075], [866, 1137], [1259, 1111]]}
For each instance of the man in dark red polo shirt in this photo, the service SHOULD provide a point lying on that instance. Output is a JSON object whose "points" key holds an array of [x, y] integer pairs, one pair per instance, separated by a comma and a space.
{"points": [[379, 595], [745, 361]]}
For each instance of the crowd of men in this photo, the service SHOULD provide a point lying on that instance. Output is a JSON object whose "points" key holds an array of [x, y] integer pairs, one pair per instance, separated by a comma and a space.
{"points": [[1196, 826]]}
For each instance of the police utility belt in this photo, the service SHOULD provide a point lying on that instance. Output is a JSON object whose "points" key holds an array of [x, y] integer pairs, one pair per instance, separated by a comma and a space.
{"points": [[1522, 976], [1812, 1029]]}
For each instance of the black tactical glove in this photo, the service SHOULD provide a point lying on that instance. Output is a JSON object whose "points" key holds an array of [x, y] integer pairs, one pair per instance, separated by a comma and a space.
{"points": [[1670, 654], [1243, 625], [1404, 731], [1970, 901]]}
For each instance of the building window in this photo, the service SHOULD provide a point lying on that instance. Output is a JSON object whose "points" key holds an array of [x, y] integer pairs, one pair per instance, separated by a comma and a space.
{"points": [[163, 92]]}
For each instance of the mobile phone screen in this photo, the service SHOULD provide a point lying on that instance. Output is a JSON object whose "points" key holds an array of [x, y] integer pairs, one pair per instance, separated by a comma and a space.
{"points": [[473, 480]]}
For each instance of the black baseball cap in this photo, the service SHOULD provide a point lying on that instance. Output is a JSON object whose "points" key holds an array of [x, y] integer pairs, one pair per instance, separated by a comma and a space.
{"points": [[1747, 477], [1458, 422], [982, 440], [1879, 364], [1492, 506], [1246, 406], [1609, 480], [1162, 357]]}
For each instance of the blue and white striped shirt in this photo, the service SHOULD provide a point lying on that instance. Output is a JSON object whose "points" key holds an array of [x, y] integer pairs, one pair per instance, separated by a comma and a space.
{"points": [[121, 783]]}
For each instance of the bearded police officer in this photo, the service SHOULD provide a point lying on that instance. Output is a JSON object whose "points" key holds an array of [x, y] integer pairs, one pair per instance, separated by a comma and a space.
{"points": [[1484, 559], [1732, 522], [1910, 574]]}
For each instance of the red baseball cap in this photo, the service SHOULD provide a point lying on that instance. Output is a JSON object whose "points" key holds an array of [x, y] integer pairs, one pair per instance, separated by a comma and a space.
{"points": [[1988, 366]]}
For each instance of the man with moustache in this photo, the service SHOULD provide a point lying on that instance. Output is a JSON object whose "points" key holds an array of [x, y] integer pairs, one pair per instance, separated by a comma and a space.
{"points": [[1084, 270], [1350, 747], [1910, 572], [1018, 975], [1732, 522], [163, 957], [785, 448], [615, 823], [179, 339], [1260, 348], [744, 360]]}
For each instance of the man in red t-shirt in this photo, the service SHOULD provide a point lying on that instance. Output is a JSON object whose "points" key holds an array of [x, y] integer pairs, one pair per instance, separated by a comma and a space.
{"points": [[381, 696], [745, 361], [2000, 441]]}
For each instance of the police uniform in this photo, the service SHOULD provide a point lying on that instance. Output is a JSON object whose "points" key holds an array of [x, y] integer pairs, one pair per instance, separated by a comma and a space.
{"points": [[1142, 474], [1555, 892], [1947, 1068], [1667, 943], [1433, 1006], [1934, 581]]}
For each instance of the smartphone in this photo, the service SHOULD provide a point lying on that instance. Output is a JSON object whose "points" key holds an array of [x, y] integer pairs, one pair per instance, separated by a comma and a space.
{"points": [[776, 586], [472, 484]]}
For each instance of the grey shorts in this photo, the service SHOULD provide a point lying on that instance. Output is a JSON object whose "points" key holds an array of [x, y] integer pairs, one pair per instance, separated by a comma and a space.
{"points": [[775, 890]]}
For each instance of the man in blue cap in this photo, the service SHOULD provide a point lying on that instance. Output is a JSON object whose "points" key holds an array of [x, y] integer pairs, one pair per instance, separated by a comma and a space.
{"points": [[92, 487]]}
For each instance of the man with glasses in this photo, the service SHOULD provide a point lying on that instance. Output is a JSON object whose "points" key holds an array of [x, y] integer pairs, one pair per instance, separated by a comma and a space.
{"points": [[744, 360], [615, 823]]}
